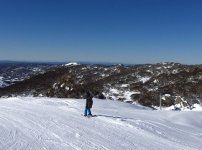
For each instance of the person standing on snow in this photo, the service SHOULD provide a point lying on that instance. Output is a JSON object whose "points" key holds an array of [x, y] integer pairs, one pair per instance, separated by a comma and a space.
{"points": [[89, 104]]}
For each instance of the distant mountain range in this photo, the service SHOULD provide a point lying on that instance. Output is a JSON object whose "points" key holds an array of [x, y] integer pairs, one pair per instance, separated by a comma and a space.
{"points": [[12, 72], [179, 85], [27, 62], [56, 62]]}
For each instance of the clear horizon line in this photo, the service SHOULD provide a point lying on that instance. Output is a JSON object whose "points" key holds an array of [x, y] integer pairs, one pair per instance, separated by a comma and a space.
{"points": [[87, 62]]}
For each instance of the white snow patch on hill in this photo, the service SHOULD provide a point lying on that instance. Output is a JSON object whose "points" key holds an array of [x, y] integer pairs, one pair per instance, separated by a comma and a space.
{"points": [[57, 124], [125, 85], [72, 64], [116, 91], [2, 83], [143, 79], [196, 107]]}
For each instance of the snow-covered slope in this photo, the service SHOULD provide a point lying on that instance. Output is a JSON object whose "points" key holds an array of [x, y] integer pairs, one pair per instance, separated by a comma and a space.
{"points": [[57, 124]]}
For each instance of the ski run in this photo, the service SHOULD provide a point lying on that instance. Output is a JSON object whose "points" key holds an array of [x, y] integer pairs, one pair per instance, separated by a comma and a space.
{"points": [[28, 123]]}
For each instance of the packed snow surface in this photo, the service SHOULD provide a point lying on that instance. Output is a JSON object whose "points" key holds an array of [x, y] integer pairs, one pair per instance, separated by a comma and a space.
{"points": [[56, 124]]}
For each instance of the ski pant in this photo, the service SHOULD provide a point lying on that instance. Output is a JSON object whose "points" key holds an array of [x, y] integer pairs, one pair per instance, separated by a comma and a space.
{"points": [[87, 111]]}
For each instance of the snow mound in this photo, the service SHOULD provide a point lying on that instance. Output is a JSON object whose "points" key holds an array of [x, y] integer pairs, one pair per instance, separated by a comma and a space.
{"points": [[57, 124]]}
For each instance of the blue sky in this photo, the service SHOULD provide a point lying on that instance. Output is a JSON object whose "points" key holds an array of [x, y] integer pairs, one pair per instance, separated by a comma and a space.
{"points": [[126, 31]]}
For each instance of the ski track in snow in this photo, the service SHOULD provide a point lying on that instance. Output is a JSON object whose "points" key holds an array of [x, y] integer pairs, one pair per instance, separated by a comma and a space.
{"points": [[56, 124]]}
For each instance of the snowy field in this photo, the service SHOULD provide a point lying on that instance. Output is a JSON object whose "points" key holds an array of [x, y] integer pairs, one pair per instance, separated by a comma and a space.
{"points": [[56, 124]]}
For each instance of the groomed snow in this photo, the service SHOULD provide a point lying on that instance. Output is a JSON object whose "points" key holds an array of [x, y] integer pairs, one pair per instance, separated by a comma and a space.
{"points": [[56, 124]]}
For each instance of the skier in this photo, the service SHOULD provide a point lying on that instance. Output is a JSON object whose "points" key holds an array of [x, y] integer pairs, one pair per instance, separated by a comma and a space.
{"points": [[89, 104]]}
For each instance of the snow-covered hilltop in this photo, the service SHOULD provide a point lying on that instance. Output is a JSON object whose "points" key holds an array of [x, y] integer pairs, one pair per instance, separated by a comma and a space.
{"points": [[180, 86], [57, 124], [71, 64]]}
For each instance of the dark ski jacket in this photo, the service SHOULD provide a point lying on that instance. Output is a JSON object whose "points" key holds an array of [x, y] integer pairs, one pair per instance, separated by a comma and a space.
{"points": [[89, 100]]}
